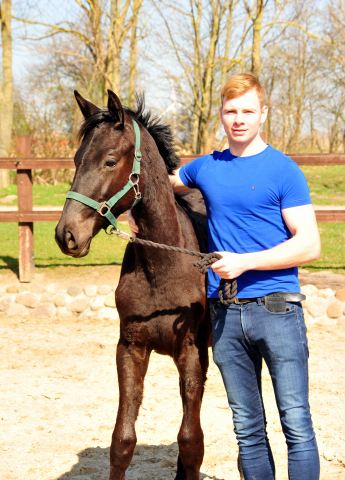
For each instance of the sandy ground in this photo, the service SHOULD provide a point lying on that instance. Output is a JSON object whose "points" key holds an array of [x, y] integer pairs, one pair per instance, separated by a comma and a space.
{"points": [[59, 394]]}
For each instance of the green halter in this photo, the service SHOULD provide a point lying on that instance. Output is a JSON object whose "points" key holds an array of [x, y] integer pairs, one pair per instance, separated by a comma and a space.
{"points": [[104, 208]]}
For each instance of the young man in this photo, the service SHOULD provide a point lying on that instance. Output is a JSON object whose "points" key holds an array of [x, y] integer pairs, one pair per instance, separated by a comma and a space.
{"points": [[260, 219]]}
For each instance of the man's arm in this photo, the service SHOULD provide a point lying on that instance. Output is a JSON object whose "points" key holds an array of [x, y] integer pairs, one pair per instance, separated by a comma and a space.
{"points": [[176, 182], [178, 187], [304, 246]]}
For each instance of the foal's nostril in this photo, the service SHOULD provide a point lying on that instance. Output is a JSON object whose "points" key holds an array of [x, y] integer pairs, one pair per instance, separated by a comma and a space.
{"points": [[70, 242]]}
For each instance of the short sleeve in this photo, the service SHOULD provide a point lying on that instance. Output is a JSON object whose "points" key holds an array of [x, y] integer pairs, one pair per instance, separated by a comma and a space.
{"points": [[294, 187], [189, 172]]}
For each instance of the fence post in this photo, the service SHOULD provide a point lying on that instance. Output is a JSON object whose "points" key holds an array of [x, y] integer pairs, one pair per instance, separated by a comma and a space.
{"points": [[25, 203]]}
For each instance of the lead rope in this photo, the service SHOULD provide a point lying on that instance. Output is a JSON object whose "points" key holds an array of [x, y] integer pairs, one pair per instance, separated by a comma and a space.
{"points": [[227, 289]]}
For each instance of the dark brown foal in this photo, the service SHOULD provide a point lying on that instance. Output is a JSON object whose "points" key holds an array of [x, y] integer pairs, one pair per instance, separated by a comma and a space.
{"points": [[160, 297]]}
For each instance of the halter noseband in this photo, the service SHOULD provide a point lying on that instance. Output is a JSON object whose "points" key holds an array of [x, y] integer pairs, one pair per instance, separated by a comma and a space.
{"points": [[104, 208]]}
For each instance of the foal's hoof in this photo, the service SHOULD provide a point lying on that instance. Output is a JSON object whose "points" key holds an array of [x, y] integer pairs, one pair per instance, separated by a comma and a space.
{"points": [[181, 472]]}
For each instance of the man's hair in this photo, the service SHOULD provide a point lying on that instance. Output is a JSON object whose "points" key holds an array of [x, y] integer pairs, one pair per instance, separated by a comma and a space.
{"points": [[239, 84]]}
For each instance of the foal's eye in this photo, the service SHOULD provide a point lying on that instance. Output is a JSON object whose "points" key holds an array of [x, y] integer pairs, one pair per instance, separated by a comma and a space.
{"points": [[110, 163]]}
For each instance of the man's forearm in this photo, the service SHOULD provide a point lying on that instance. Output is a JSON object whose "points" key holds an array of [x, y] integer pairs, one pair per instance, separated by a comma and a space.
{"points": [[291, 253]]}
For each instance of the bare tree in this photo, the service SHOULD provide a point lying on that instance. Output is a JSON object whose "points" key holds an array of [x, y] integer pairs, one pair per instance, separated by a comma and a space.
{"points": [[6, 89], [97, 39]]}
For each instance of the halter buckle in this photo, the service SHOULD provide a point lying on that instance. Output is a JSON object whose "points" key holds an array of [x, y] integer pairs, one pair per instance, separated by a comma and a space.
{"points": [[138, 155], [136, 181], [103, 205]]}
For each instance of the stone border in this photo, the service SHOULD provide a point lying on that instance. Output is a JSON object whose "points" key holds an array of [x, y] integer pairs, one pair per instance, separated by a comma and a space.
{"points": [[90, 301], [322, 306]]}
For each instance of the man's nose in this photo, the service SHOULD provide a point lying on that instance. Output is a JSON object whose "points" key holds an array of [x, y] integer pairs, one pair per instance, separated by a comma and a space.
{"points": [[239, 118]]}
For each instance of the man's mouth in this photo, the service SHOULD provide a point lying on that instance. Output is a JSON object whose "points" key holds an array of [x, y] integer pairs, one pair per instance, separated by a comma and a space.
{"points": [[239, 130]]}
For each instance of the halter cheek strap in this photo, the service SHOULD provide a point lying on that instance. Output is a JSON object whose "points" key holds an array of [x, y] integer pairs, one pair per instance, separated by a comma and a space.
{"points": [[104, 208]]}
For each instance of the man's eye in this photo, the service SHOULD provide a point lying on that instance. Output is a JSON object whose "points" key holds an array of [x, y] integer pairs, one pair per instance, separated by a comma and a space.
{"points": [[110, 163]]}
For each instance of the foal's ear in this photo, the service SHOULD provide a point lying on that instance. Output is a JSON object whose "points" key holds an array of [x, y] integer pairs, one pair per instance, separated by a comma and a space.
{"points": [[87, 108], [115, 109]]}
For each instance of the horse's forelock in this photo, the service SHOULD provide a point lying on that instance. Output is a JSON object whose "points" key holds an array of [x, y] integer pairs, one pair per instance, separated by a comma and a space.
{"points": [[160, 132]]}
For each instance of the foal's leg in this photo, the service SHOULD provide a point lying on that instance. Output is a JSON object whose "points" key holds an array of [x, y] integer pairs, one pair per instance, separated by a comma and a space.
{"points": [[192, 369], [132, 363]]}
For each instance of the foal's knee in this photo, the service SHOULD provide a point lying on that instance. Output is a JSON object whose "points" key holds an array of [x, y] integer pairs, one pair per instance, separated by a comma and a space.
{"points": [[191, 447], [123, 447]]}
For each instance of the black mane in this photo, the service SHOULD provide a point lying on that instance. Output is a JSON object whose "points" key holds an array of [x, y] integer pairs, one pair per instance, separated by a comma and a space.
{"points": [[160, 132]]}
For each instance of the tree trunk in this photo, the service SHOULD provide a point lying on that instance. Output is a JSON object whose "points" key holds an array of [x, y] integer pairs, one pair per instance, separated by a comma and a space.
{"points": [[6, 90], [257, 22], [133, 51]]}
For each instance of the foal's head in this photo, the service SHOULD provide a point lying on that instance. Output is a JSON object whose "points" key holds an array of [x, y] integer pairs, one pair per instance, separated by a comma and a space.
{"points": [[104, 163]]}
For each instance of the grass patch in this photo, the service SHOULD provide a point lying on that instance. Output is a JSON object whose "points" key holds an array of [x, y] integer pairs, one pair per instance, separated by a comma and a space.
{"points": [[327, 187], [332, 251], [326, 184], [43, 195], [105, 250]]}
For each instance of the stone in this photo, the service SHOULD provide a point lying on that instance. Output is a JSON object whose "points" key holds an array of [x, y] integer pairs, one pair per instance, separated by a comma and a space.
{"points": [[51, 288], [110, 301], [104, 289], [12, 289], [17, 309], [78, 305], [326, 293], [108, 313], [341, 321], [88, 313], [97, 304], [309, 290], [44, 310], [317, 306], [47, 298], [60, 300], [62, 312], [340, 295], [91, 290], [325, 321], [335, 309], [74, 291], [5, 302], [23, 288], [28, 299]]}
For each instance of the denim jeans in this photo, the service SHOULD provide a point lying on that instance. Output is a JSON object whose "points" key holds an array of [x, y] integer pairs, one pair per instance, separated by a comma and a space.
{"points": [[242, 336]]}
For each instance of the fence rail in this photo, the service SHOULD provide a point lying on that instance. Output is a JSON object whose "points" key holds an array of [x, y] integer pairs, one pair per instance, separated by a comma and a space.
{"points": [[26, 216]]}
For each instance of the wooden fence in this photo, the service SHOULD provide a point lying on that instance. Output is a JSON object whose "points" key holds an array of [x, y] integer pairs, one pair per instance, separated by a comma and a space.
{"points": [[26, 216]]}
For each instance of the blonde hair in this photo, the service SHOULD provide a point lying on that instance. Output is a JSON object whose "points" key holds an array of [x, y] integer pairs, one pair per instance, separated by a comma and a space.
{"points": [[241, 83]]}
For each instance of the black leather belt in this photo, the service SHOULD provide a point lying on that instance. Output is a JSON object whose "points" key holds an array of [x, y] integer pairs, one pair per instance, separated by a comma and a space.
{"points": [[287, 296]]}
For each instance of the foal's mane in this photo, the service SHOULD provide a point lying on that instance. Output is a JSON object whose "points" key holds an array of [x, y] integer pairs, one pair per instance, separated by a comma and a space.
{"points": [[160, 132]]}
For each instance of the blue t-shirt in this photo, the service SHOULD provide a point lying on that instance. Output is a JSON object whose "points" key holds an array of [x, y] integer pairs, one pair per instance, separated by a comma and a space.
{"points": [[244, 197]]}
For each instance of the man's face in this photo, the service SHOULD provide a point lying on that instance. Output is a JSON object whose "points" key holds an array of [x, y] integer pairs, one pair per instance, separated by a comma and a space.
{"points": [[241, 118]]}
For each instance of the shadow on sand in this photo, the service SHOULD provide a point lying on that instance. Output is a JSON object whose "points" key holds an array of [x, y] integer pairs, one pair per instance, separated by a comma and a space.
{"points": [[150, 462]]}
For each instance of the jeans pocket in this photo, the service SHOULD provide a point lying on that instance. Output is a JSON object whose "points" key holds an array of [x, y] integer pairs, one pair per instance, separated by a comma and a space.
{"points": [[290, 309]]}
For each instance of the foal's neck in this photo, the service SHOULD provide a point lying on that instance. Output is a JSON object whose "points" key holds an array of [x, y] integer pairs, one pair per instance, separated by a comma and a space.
{"points": [[157, 216]]}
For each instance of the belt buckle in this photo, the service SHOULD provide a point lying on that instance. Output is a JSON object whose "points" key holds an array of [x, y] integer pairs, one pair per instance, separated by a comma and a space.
{"points": [[240, 301]]}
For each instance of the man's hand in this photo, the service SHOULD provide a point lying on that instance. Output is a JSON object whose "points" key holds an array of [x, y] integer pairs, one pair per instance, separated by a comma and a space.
{"points": [[232, 265], [132, 225]]}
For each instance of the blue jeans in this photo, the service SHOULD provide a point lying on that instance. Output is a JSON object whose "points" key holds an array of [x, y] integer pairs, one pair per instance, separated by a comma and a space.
{"points": [[242, 336]]}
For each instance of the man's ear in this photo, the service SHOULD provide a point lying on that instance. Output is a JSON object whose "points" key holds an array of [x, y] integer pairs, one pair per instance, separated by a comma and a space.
{"points": [[221, 113], [115, 109], [86, 108], [264, 113]]}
